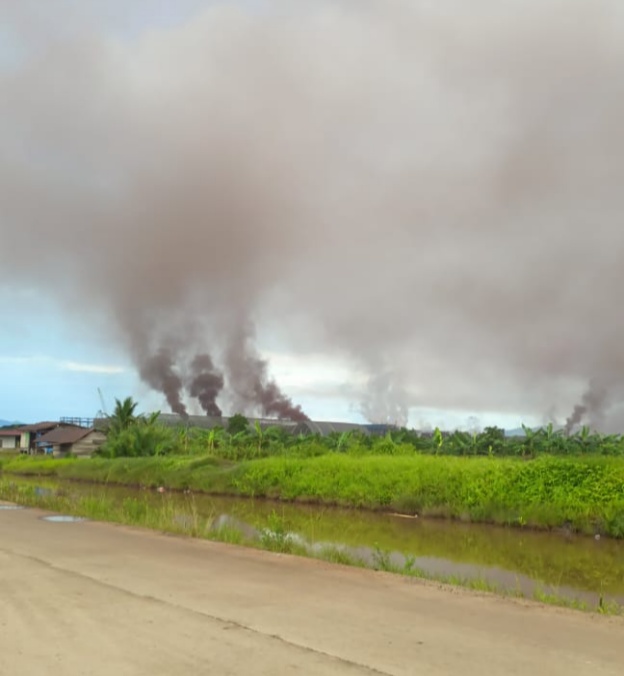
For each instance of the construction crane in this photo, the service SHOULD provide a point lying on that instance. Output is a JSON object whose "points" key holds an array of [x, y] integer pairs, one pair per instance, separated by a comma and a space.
{"points": [[103, 413]]}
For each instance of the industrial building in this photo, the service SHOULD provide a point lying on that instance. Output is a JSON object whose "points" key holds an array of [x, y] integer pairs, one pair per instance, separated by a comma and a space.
{"points": [[306, 427]]}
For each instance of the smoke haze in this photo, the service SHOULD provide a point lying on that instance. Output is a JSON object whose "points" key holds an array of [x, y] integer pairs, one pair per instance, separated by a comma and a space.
{"points": [[432, 191]]}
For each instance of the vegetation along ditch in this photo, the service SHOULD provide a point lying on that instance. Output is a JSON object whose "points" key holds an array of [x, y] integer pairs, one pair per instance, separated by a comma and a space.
{"points": [[557, 567], [584, 495]]}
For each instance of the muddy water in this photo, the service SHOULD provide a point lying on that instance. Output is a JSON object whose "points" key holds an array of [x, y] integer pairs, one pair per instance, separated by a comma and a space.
{"points": [[560, 563]]}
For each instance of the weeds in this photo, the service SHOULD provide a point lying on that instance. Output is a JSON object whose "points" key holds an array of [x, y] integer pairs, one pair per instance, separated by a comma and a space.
{"points": [[381, 559], [227, 534], [276, 537], [580, 494], [334, 554]]}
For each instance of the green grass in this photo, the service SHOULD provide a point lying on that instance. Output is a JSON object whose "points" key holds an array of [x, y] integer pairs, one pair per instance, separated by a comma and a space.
{"points": [[168, 516], [582, 494], [206, 473], [585, 494]]}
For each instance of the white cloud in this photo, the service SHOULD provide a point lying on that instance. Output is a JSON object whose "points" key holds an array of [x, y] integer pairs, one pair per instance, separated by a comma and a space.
{"points": [[16, 360], [43, 361], [91, 368]]}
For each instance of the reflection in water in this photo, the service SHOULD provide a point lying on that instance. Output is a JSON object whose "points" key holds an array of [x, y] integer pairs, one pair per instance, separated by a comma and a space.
{"points": [[374, 557], [511, 559]]}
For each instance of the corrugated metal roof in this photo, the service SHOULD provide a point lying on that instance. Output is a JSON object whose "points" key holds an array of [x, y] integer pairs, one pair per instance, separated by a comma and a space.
{"points": [[65, 435], [10, 433], [326, 427], [39, 427], [202, 421], [307, 427], [208, 422]]}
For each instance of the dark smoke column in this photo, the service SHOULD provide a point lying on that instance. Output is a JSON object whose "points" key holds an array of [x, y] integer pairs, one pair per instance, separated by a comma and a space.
{"points": [[248, 378], [206, 384], [274, 402], [157, 371]]}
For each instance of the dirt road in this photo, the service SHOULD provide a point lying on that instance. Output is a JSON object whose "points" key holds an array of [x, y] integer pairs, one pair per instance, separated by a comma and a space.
{"points": [[97, 599]]}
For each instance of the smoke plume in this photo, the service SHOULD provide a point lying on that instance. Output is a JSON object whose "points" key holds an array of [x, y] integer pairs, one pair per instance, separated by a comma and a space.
{"points": [[385, 402], [206, 384], [158, 372], [253, 390], [425, 189], [591, 409]]}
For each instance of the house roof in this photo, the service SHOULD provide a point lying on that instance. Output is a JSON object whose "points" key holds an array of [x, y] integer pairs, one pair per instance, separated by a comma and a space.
{"points": [[65, 435], [39, 427], [10, 433]]}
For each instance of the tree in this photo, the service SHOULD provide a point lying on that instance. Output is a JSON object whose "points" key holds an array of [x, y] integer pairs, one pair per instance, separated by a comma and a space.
{"points": [[491, 441], [238, 423], [123, 416], [461, 443]]}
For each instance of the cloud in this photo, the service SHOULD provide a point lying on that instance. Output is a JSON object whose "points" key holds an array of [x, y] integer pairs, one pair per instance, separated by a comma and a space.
{"points": [[297, 372], [41, 361], [91, 368]]}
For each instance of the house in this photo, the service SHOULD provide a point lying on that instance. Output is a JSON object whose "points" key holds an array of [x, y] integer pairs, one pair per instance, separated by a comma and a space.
{"points": [[31, 433], [78, 441], [10, 440]]}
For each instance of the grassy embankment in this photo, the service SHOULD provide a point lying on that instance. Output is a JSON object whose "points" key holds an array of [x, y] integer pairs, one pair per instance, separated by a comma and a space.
{"points": [[581, 494]]}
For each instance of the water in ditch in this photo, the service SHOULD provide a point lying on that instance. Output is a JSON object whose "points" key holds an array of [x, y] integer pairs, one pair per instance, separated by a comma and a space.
{"points": [[515, 560]]}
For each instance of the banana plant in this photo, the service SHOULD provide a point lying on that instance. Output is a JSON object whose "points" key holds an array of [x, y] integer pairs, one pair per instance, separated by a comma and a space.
{"points": [[438, 440], [530, 439], [212, 440], [460, 442], [343, 441], [260, 437]]}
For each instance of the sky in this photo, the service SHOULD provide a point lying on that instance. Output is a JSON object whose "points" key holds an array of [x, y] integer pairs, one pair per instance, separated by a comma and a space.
{"points": [[52, 375], [396, 211]]}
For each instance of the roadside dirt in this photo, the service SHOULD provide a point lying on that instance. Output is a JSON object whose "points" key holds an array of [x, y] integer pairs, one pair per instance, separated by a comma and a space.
{"points": [[97, 599]]}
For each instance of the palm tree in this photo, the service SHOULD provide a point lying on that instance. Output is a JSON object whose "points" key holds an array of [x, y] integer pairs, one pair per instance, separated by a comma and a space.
{"points": [[123, 415]]}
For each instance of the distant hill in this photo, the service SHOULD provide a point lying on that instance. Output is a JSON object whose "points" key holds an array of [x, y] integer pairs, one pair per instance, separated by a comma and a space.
{"points": [[518, 432], [8, 423]]}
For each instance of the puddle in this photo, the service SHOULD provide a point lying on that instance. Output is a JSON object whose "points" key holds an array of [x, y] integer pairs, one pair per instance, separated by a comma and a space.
{"points": [[11, 507], [62, 518]]}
